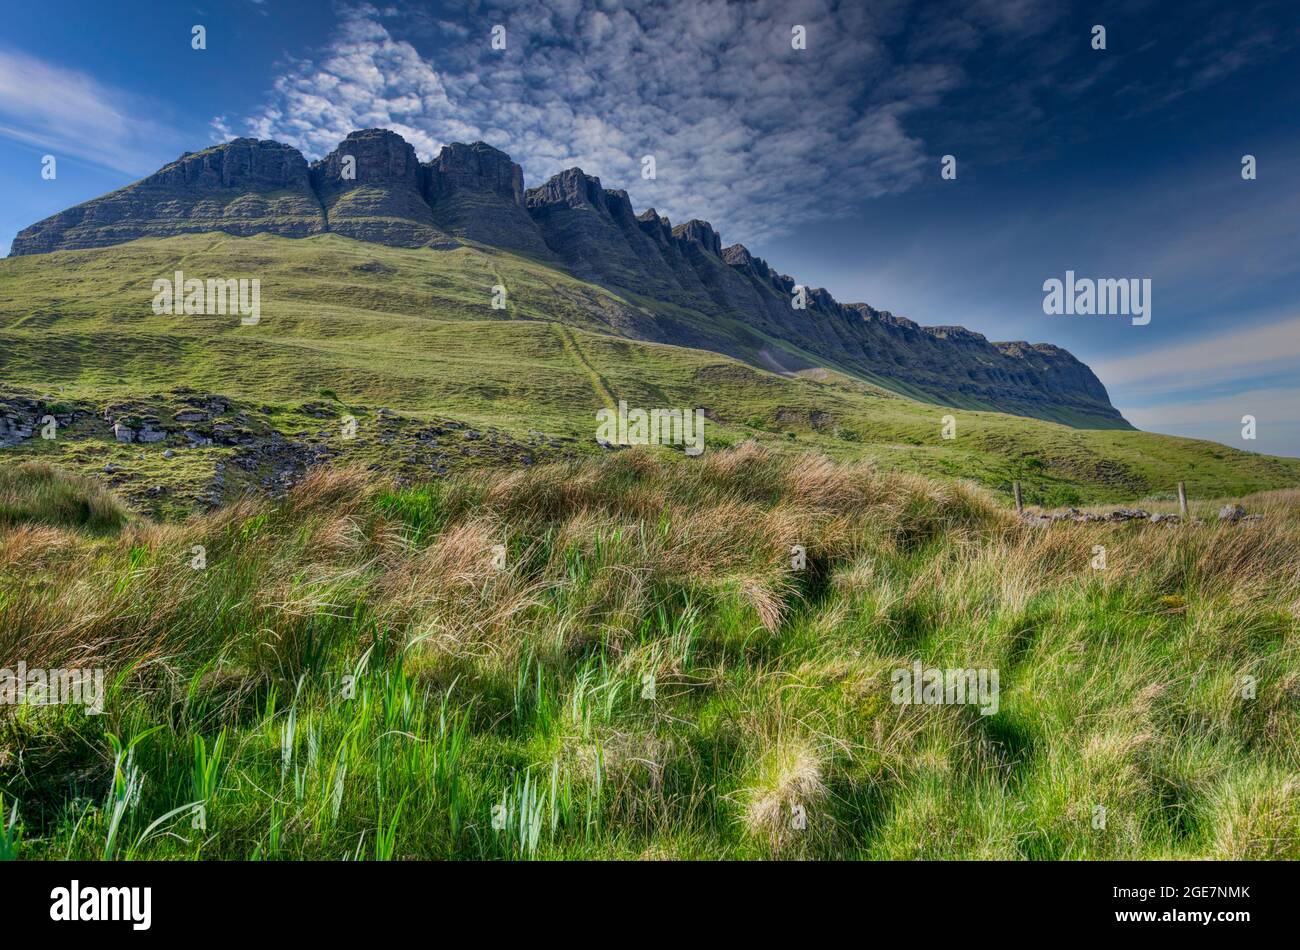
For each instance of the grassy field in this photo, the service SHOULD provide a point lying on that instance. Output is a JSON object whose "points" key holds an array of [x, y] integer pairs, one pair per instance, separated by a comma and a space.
{"points": [[414, 331], [642, 669]]}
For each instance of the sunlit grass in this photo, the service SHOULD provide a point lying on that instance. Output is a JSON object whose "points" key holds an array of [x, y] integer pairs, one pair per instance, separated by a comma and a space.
{"points": [[356, 674]]}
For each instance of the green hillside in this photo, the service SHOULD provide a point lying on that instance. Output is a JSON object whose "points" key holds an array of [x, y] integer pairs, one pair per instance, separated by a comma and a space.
{"points": [[348, 327]]}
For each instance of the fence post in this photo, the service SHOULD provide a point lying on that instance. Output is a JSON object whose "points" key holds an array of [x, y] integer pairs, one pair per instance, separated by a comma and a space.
{"points": [[1182, 500], [1020, 505]]}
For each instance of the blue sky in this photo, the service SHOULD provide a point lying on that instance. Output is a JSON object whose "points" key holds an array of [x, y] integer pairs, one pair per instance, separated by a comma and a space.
{"points": [[1123, 162]]}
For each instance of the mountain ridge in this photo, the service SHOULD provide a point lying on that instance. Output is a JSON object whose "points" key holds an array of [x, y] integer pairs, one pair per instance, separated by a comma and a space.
{"points": [[696, 291]]}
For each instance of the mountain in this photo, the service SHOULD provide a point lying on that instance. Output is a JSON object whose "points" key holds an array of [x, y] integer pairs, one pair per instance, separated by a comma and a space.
{"points": [[371, 188], [174, 410], [683, 287], [244, 187], [477, 193]]}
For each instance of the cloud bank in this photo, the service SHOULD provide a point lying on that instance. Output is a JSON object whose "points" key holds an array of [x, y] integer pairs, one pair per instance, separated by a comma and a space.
{"points": [[746, 131]]}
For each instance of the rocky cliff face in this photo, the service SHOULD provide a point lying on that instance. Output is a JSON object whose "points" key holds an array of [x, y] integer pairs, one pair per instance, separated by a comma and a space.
{"points": [[372, 189], [243, 187], [594, 232], [1024, 378], [477, 193], [696, 291]]}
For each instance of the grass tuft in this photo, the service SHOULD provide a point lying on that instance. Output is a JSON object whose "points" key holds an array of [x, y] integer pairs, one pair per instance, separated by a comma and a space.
{"points": [[625, 658]]}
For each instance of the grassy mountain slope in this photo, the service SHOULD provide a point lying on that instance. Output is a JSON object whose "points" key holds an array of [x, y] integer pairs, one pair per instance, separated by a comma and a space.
{"points": [[413, 330], [693, 291]]}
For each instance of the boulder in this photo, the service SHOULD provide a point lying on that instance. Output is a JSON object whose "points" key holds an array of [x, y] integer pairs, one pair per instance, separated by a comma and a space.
{"points": [[1232, 513]]}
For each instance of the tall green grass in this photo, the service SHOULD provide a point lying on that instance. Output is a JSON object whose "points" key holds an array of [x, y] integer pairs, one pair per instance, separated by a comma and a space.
{"points": [[39, 493], [356, 675]]}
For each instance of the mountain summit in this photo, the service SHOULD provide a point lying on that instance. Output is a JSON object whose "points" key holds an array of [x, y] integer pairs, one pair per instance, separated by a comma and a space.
{"points": [[688, 288]]}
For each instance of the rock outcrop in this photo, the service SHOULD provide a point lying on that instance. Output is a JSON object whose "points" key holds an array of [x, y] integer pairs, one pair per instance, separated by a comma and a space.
{"points": [[372, 189], [477, 193], [243, 187], [691, 289], [596, 236], [594, 232]]}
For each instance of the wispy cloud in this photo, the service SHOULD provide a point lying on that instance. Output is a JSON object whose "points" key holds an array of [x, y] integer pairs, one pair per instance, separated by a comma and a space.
{"points": [[1203, 388], [746, 131], [1274, 404], [1225, 41], [1220, 418], [365, 79], [1234, 357], [66, 112]]}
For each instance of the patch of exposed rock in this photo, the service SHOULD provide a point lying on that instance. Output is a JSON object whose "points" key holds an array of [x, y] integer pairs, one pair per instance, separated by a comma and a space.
{"points": [[259, 449]]}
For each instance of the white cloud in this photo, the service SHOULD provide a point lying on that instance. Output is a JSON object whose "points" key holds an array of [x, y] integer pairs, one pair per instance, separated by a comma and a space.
{"points": [[1237, 356], [66, 112], [746, 132], [1277, 403], [1201, 389], [1276, 411]]}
